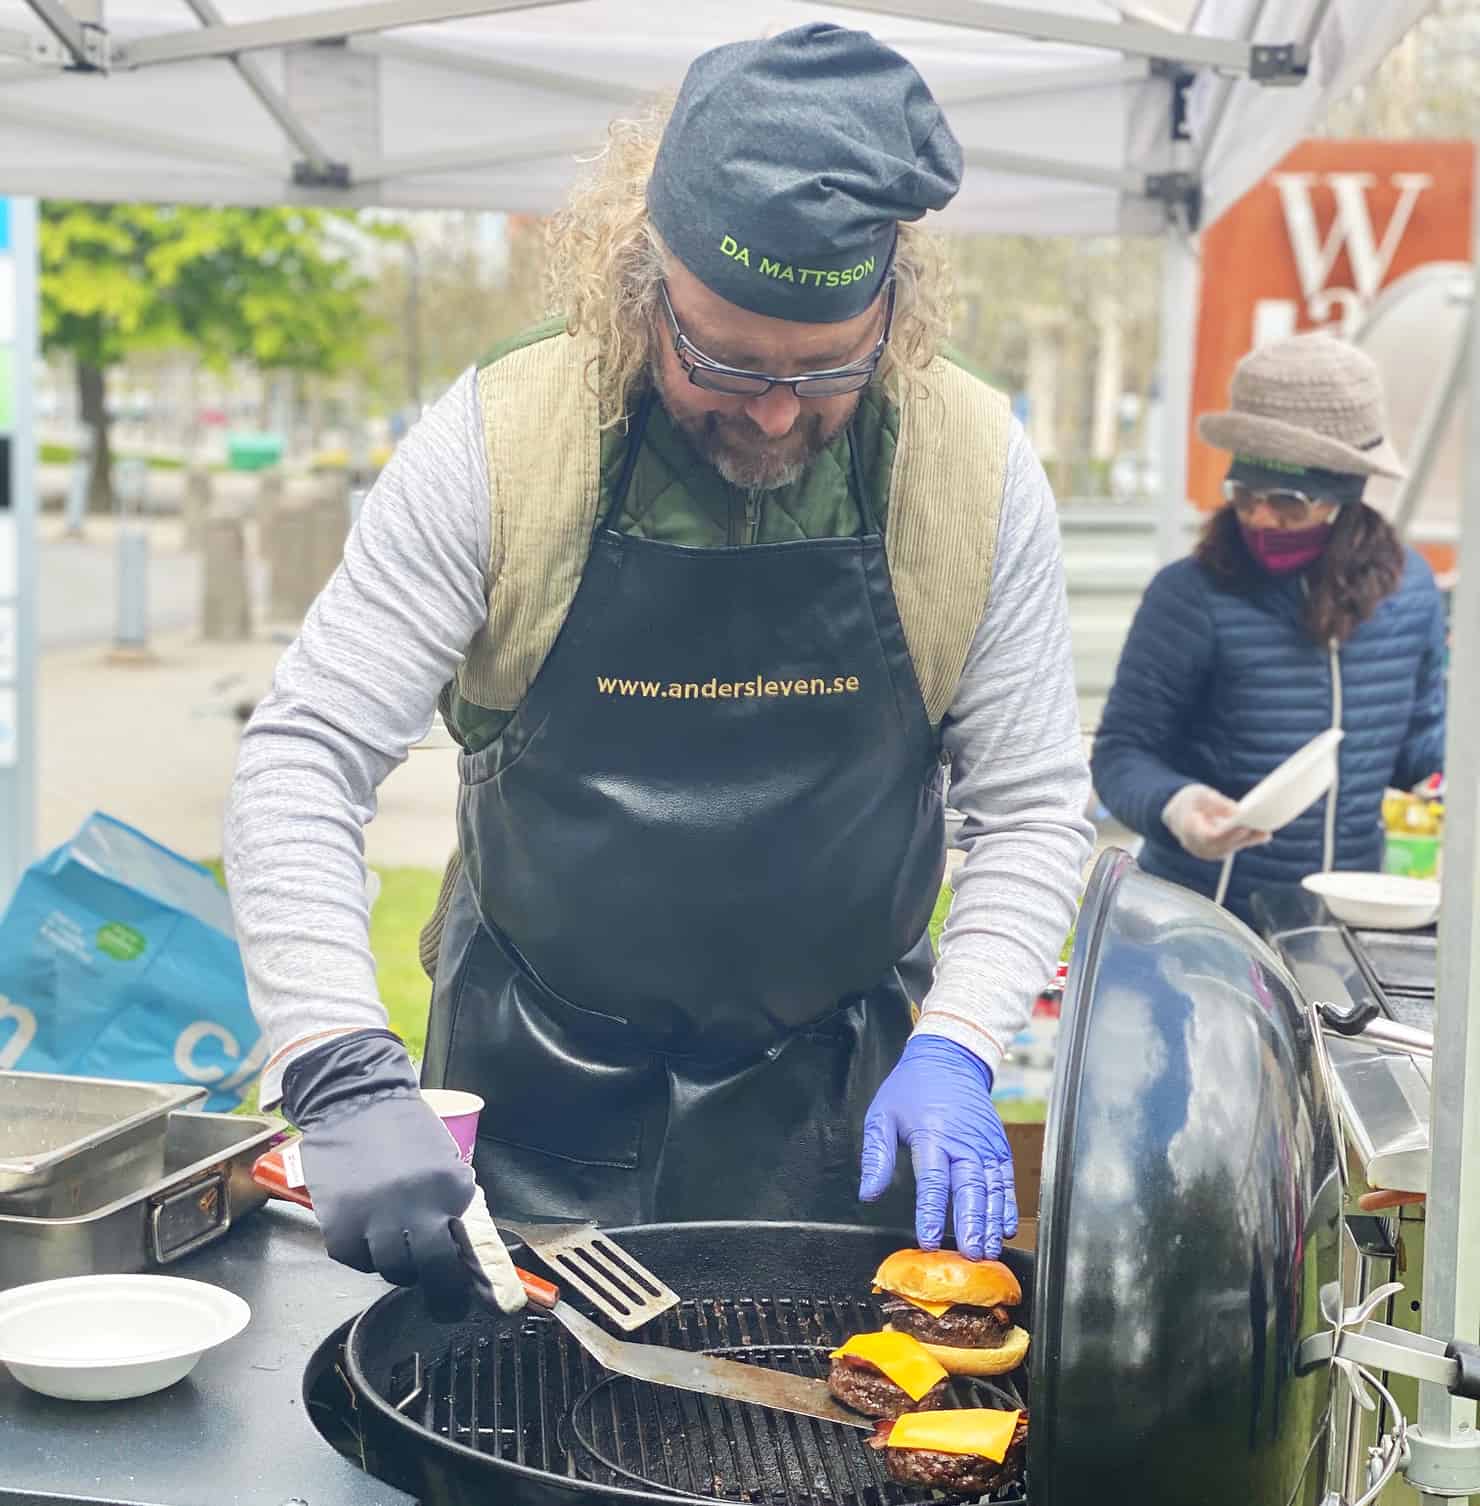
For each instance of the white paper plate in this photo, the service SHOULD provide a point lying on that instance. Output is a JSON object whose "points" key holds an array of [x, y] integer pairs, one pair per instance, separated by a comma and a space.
{"points": [[103, 1338], [1384, 901], [1290, 790]]}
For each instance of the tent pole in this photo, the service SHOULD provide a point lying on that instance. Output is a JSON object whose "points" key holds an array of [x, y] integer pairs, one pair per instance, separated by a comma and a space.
{"points": [[1451, 1274], [1180, 278], [1269, 63], [1424, 450], [18, 570], [254, 76], [1213, 129], [67, 30], [331, 25]]}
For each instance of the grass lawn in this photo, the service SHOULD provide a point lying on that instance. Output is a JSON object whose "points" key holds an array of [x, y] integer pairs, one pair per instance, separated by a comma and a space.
{"points": [[406, 899]]}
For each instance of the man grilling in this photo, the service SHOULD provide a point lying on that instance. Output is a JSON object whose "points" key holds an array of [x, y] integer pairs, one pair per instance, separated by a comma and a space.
{"points": [[709, 575]]}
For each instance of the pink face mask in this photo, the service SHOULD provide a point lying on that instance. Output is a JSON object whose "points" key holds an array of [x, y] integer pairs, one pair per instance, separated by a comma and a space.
{"points": [[1283, 550]]}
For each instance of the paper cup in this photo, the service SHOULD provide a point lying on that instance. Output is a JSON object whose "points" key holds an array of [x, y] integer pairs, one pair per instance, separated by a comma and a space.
{"points": [[459, 1113]]}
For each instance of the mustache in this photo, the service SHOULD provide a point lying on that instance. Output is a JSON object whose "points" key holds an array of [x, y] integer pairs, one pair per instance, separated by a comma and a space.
{"points": [[739, 428]]}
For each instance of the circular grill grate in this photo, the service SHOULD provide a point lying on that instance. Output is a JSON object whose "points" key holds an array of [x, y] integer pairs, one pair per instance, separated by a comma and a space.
{"points": [[519, 1390], [698, 1446]]}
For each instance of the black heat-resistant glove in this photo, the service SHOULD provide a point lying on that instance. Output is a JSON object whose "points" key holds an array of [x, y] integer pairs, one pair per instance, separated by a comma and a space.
{"points": [[385, 1176]]}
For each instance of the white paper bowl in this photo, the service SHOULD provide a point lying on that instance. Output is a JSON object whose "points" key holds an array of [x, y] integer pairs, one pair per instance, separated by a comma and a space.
{"points": [[1383, 901], [1291, 789], [104, 1338]]}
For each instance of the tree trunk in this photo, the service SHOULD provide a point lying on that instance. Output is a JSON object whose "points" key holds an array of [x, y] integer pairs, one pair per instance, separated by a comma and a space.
{"points": [[92, 397]]}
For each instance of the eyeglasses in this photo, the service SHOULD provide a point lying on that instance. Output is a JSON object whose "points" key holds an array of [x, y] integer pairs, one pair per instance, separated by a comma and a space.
{"points": [[1288, 506], [733, 381]]}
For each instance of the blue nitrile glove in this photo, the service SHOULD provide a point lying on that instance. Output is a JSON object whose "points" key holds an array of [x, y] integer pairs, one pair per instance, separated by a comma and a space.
{"points": [[386, 1180], [938, 1101]]}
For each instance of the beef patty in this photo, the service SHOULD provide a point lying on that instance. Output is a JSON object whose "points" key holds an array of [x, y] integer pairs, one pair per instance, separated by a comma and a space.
{"points": [[961, 1327], [958, 1474], [867, 1390]]}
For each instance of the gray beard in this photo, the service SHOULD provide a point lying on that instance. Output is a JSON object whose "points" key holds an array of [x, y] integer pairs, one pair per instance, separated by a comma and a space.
{"points": [[750, 473], [743, 476]]}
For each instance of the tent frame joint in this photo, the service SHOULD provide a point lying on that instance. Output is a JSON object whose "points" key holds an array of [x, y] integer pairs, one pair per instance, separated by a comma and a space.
{"points": [[325, 174], [1180, 78], [1279, 64], [79, 46], [96, 51], [1181, 192]]}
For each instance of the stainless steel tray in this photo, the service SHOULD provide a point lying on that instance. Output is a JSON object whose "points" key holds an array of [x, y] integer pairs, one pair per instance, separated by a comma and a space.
{"points": [[80, 1137], [206, 1186]]}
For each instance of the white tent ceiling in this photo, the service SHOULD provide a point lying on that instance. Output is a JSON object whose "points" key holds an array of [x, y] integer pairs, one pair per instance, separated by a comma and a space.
{"points": [[1065, 107]]}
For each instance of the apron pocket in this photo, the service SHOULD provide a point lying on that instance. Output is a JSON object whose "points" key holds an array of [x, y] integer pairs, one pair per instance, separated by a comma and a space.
{"points": [[554, 1079]]}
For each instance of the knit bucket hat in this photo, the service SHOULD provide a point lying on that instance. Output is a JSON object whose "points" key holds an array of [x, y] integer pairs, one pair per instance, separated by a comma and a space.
{"points": [[1311, 402]]}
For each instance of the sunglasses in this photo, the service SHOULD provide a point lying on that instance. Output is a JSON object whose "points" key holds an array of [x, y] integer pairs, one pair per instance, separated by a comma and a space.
{"points": [[734, 381], [1289, 506]]}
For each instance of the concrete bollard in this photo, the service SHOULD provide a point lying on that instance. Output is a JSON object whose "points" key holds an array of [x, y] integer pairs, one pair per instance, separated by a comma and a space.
{"points": [[131, 606], [290, 588], [195, 505], [327, 532], [269, 501], [225, 608]]}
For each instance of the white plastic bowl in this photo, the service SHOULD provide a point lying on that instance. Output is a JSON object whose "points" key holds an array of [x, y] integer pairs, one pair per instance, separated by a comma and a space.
{"points": [[104, 1338], [1291, 789], [1383, 901]]}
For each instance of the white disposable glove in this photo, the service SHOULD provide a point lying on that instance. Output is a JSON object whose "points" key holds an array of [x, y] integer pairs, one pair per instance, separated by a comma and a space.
{"points": [[1202, 820], [487, 1249]]}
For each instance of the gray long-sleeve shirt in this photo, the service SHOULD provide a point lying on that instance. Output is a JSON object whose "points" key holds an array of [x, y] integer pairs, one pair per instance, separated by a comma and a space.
{"points": [[358, 686]]}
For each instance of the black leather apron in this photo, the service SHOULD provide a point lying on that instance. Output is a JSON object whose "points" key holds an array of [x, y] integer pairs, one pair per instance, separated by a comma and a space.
{"points": [[692, 865]]}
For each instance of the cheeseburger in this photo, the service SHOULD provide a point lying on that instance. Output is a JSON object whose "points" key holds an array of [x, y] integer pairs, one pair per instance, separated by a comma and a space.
{"points": [[959, 1309], [884, 1374], [967, 1452]]}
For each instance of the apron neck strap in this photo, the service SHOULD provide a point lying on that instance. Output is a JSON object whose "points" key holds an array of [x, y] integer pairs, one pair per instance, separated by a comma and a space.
{"points": [[636, 428], [868, 518]]}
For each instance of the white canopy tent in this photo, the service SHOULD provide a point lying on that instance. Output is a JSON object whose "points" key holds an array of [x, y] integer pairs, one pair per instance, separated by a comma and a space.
{"points": [[1066, 108], [1078, 117]]}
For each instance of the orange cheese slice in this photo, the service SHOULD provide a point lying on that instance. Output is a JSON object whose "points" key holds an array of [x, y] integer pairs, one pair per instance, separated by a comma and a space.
{"points": [[972, 1430], [904, 1359], [934, 1308]]}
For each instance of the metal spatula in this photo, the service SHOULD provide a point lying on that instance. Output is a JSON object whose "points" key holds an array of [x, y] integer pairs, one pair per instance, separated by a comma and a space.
{"points": [[611, 1280], [705, 1373]]}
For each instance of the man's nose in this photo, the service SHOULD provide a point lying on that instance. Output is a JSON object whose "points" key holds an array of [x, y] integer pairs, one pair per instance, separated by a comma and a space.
{"points": [[775, 412]]}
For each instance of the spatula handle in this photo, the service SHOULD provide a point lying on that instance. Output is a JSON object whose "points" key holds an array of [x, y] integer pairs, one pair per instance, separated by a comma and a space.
{"points": [[539, 1291], [269, 1172]]}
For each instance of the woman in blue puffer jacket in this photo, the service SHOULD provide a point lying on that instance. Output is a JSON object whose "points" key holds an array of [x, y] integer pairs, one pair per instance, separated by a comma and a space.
{"points": [[1299, 610]]}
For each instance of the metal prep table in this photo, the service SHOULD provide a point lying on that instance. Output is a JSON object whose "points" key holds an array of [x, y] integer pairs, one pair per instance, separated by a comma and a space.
{"points": [[235, 1432]]}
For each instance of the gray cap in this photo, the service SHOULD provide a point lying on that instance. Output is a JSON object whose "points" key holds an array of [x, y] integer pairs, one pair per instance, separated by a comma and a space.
{"points": [[788, 164]]}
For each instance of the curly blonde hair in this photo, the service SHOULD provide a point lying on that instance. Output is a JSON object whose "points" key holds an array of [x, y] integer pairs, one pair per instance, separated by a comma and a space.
{"points": [[605, 261]]}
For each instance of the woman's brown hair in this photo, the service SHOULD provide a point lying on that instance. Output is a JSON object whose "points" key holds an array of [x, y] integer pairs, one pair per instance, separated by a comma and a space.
{"points": [[1362, 565]]}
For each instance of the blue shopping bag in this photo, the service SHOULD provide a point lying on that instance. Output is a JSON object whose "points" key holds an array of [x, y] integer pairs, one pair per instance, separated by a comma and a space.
{"points": [[118, 959]]}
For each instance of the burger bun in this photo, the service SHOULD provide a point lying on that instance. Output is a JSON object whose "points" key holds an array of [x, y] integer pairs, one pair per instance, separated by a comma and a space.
{"points": [[1006, 1356], [947, 1276]]}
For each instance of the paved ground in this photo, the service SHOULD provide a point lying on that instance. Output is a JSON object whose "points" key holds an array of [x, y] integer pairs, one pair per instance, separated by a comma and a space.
{"points": [[155, 743]]}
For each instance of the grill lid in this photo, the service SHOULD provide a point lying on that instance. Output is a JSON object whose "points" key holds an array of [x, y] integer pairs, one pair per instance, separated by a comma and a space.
{"points": [[1189, 1213]]}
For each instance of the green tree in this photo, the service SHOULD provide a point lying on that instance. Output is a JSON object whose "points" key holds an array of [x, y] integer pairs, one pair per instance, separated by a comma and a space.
{"points": [[280, 288], [442, 302]]}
